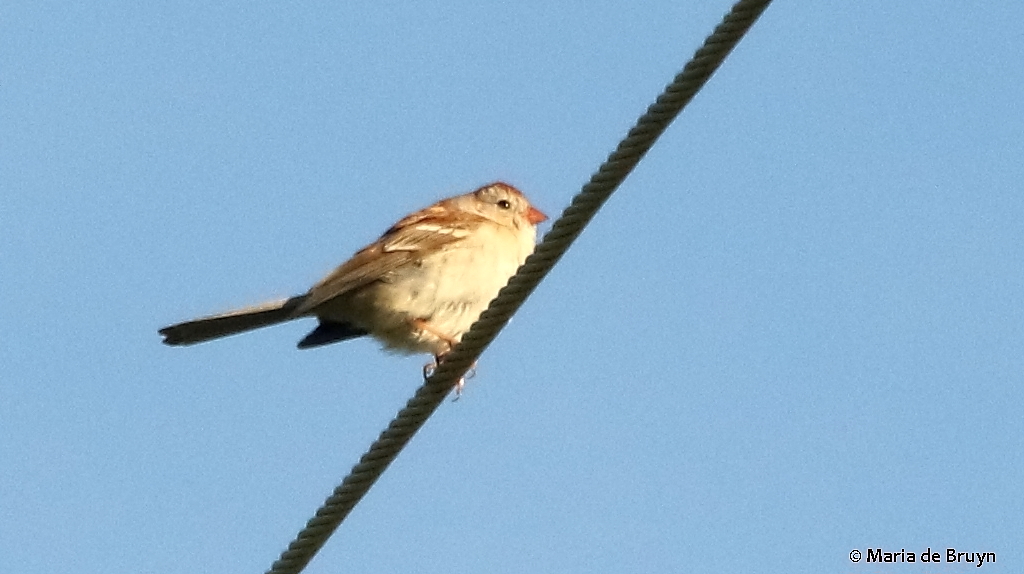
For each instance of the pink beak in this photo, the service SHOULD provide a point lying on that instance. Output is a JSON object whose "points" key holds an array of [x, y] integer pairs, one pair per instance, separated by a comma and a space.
{"points": [[535, 216]]}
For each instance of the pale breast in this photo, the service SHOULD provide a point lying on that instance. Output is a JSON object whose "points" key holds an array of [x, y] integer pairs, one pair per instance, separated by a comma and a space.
{"points": [[448, 289]]}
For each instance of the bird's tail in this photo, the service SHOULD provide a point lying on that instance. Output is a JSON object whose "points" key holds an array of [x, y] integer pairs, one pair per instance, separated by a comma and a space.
{"points": [[232, 322]]}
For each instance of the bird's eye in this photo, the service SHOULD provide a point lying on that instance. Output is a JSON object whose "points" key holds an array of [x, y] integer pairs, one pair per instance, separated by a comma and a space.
{"points": [[504, 203]]}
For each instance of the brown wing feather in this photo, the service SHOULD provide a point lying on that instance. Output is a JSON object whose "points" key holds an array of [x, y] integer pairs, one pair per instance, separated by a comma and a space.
{"points": [[406, 241]]}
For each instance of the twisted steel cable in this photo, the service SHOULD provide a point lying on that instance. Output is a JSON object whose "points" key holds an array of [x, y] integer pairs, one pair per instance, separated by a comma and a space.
{"points": [[555, 243]]}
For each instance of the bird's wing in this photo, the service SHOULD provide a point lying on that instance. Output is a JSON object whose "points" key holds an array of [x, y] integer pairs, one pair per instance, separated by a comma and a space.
{"points": [[409, 240]]}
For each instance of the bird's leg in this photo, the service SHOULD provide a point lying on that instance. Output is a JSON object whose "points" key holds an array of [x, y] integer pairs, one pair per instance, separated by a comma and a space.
{"points": [[429, 368], [422, 325]]}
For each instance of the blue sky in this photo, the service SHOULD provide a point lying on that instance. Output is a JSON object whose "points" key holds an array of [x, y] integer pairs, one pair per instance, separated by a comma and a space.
{"points": [[796, 330]]}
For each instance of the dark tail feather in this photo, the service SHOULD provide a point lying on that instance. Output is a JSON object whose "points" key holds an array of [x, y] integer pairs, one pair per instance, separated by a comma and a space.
{"points": [[328, 332], [232, 322]]}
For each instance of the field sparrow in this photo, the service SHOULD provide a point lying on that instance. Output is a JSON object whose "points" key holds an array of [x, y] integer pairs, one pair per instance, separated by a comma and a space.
{"points": [[417, 289]]}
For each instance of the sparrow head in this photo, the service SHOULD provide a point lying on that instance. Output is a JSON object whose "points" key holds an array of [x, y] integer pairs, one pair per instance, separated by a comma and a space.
{"points": [[504, 204]]}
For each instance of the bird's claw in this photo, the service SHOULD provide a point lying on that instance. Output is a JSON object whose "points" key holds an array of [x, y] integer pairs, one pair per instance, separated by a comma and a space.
{"points": [[430, 368]]}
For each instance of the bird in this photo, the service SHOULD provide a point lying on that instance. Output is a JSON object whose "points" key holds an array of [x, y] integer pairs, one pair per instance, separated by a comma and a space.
{"points": [[416, 289]]}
